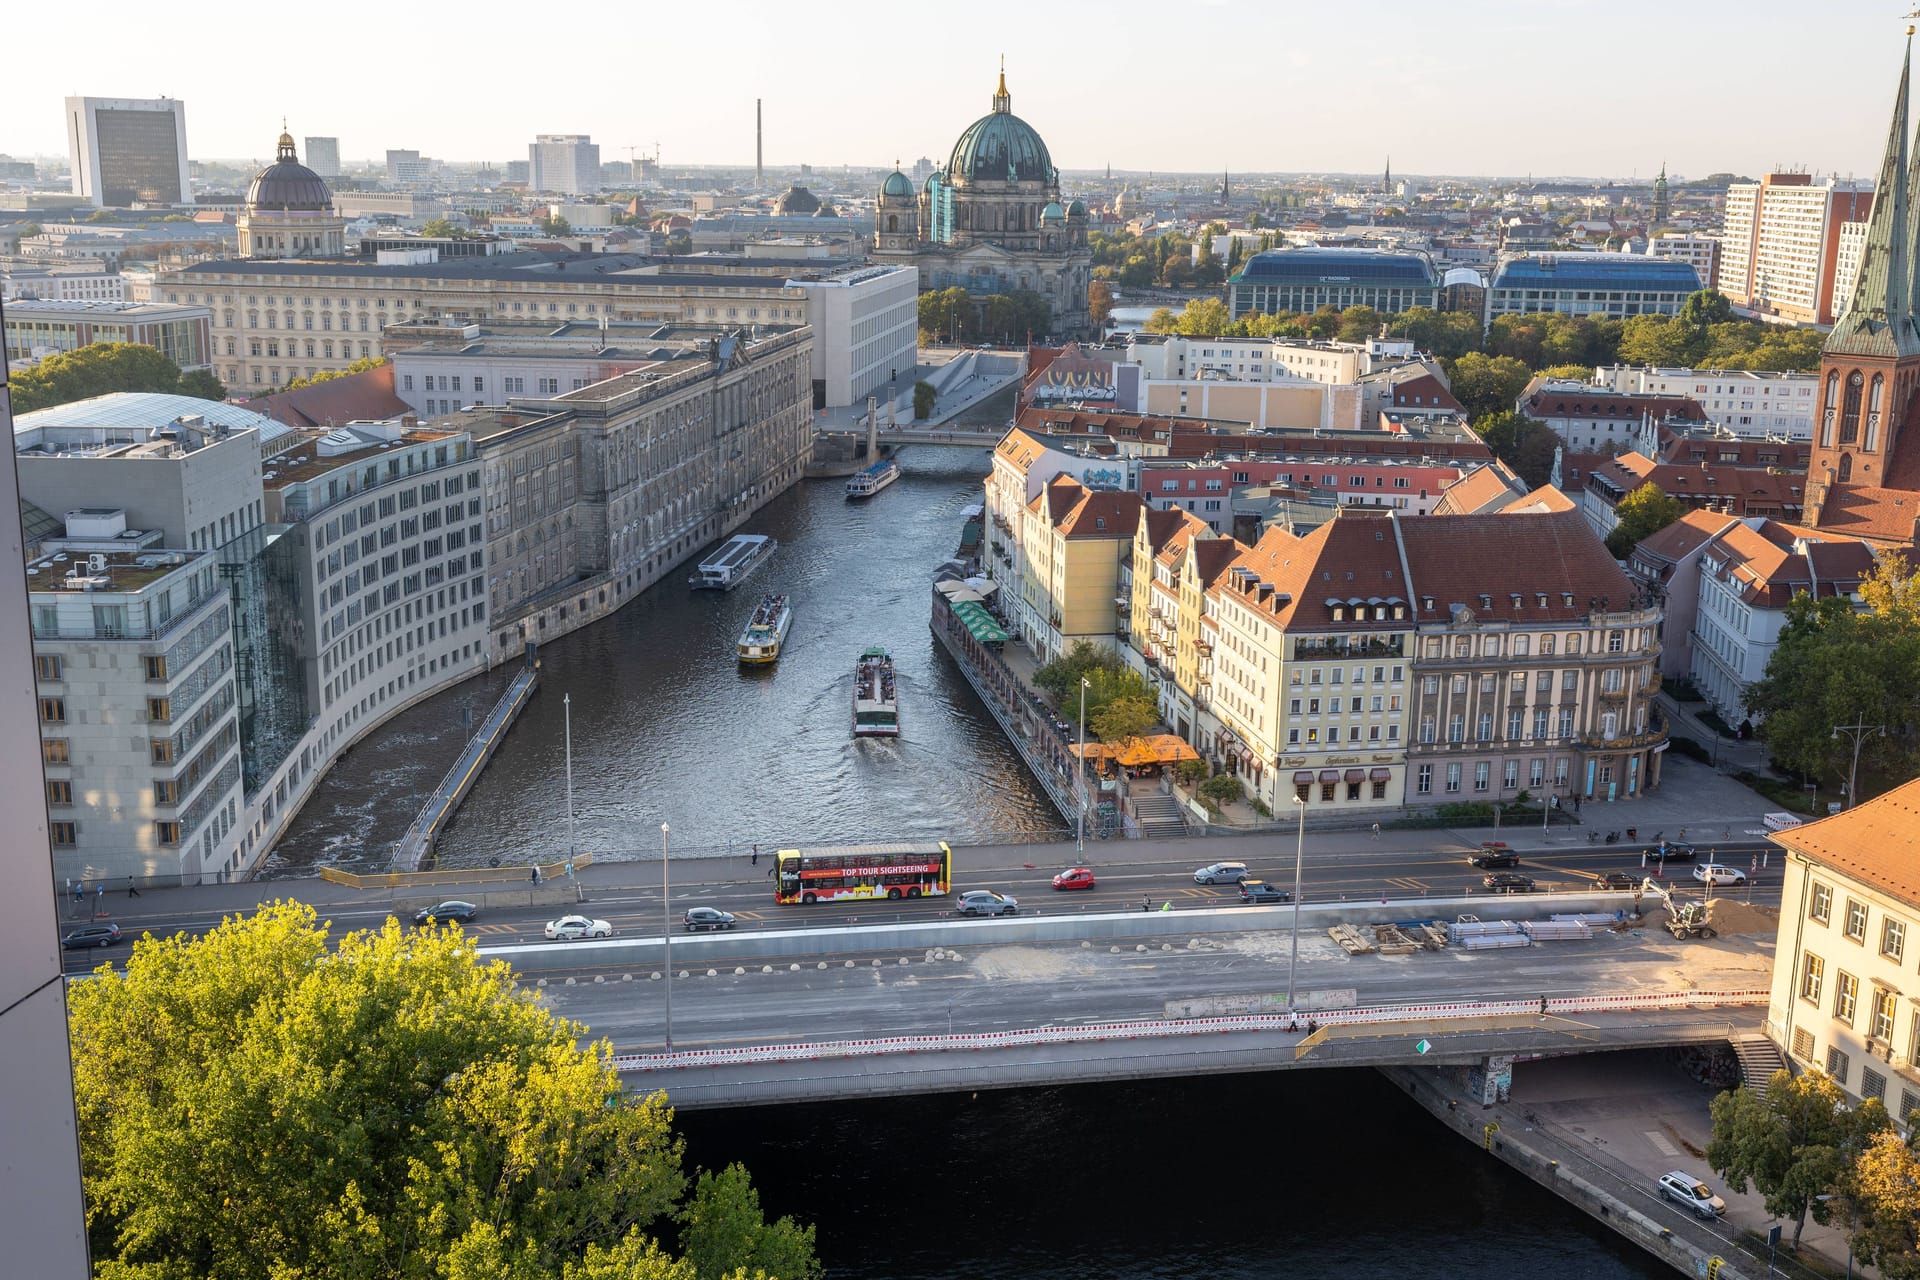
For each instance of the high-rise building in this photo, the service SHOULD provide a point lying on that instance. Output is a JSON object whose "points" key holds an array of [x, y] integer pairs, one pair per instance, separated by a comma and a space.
{"points": [[567, 163], [323, 156], [128, 151], [406, 167], [1780, 249]]}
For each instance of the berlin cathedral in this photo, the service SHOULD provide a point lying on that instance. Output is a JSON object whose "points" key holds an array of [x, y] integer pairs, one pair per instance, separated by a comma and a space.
{"points": [[992, 221]]}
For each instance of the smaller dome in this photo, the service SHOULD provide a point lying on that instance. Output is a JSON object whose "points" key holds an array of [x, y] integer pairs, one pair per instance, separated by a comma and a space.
{"points": [[826, 211], [797, 200], [1077, 209], [287, 186], [897, 184], [1053, 212]]}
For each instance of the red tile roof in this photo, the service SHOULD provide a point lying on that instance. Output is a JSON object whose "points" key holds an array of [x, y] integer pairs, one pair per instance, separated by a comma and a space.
{"points": [[1102, 514], [1552, 561], [360, 397], [1345, 563], [1424, 392], [1876, 843], [1685, 536], [1598, 402], [1485, 488], [1882, 515]]}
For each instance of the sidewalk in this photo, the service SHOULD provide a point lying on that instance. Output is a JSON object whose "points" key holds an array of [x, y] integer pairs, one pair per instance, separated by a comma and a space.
{"points": [[1723, 752]]}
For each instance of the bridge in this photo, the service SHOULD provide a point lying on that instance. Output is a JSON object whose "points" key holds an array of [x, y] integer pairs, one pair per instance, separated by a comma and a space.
{"points": [[900, 437], [812, 1014]]}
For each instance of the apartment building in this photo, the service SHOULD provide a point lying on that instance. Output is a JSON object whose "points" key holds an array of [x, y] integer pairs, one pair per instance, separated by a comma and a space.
{"points": [[1743, 402], [38, 329], [1702, 253], [1075, 540], [1590, 419], [1206, 488], [1845, 997], [1282, 281], [1780, 246]]}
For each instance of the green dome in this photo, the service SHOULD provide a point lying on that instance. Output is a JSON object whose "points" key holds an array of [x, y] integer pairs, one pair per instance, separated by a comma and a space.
{"points": [[1053, 212], [896, 185], [1077, 209], [1000, 147]]}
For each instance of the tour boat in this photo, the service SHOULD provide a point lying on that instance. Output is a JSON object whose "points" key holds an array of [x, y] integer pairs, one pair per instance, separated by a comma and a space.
{"points": [[865, 484], [876, 709], [726, 568], [766, 631]]}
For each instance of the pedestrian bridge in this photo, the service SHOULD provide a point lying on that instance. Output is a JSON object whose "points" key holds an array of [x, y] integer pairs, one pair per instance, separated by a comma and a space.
{"points": [[900, 437]]}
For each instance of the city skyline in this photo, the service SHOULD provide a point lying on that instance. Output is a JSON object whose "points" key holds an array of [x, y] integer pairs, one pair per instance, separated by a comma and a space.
{"points": [[1322, 90]]}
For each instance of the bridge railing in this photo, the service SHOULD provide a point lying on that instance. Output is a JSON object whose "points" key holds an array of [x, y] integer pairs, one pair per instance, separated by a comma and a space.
{"points": [[1163, 1028]]}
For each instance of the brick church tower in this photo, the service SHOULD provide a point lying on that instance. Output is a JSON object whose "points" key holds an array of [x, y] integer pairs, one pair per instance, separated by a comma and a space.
{"points": [[1863, 472]]}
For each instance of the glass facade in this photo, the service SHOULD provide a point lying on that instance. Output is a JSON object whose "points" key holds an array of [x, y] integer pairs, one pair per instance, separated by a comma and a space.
{"points": [[139, 157]]}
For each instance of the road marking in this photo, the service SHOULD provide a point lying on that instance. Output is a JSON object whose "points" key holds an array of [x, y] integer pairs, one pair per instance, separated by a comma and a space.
{"points": [[1660, 1143], [1407, 882]]}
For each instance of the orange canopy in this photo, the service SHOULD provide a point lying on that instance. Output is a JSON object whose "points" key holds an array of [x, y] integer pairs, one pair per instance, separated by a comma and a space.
{"points": [[1161, 748]]}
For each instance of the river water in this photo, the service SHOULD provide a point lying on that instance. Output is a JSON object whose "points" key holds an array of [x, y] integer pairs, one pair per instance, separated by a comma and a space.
{"points": [[1301, 1174], [666, 728]]}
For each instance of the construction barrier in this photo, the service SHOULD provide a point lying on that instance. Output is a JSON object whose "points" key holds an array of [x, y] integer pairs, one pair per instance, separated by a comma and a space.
{"points": [[470, 875]]}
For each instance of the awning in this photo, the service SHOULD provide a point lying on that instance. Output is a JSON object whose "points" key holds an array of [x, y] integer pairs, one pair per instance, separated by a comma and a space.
{"points": [[1093, 750], [1301, 777], [1329, 775], [1160, 748], [979, 623], [1381, 775], [1356, 775]]}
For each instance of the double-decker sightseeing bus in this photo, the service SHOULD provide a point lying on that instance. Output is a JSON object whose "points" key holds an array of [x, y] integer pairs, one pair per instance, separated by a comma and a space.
{"points": [[862, 871]]}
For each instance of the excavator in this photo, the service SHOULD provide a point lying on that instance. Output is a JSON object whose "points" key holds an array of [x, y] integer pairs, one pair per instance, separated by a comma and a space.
{"points": [[1684, 919]]}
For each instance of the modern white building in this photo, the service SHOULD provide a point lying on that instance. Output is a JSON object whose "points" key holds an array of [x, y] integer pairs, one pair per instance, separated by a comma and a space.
{"points": [[1846, 264], [35, 330], [866, 332], [563, 163], [323, 156], [1747, 402], [1779, 248], [128, 151], [53, 280], [1608, 285], [1702, 253]]}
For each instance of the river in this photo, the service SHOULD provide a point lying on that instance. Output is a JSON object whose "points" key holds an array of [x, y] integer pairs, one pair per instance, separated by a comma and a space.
{"points": [[1294, 1174], [667, 729]]}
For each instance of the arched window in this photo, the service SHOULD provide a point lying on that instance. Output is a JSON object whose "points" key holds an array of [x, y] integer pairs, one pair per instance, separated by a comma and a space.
{"points": [[1850, 411], [1832, 408], [1873, 413], [893, 222], [1846, 468]]}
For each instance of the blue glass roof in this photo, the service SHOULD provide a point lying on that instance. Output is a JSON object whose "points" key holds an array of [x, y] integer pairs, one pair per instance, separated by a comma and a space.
{"points": [[1597, 271], [1338, 266]]}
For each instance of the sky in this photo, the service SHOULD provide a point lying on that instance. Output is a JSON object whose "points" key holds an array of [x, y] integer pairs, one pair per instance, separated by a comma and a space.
{"points": [[1606, 88]]}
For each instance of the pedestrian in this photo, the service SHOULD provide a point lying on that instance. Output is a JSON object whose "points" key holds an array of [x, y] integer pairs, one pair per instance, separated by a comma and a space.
{"points": [[770, 871], [756, 855], [79, 891], [133, 890], [1167, 905], [1376, 831], [534, 875], [1543, 1006], [1146, 902]]}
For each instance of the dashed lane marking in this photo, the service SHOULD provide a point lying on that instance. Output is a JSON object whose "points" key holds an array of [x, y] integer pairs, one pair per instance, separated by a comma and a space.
{"points": [[1660, 1143]]}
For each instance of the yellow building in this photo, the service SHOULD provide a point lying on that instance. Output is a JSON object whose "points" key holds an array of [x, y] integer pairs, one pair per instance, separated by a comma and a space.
{"points": [[1073, 541], [1846, 997]]}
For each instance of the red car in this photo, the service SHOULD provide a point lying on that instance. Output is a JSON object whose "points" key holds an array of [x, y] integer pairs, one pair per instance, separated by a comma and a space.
{"points": [[1074, 878]]}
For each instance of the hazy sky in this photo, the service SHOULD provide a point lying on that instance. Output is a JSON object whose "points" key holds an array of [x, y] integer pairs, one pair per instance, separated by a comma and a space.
{"points": [[1600, 87]]}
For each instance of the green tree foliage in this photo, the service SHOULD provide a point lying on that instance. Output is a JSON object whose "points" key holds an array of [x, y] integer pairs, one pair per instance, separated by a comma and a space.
{"points": [[1525, 444], [1108, 680], [679, 241], [1323, 324], [1358, 324], [1221, 789], [725, 1234], [1445, 335], [1015, 318], [1793, 1145], [1641, 514], [97, 370], [1837, 665], [1567, 372], [552, 226], [1163, 320], [442, 229], [1881, 1200], [328, 375], [1657, 340], [100, 215], [1099, 303], [923, 398], [947, 314], [1202, 318], [202, 383], [1122, 719], [258, 1102], [1487, 384]]}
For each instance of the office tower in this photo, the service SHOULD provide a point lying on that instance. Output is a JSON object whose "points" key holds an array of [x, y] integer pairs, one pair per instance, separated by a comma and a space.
{"points": [[323, 156], [563, 163], [128, 151], [1780, 250]]}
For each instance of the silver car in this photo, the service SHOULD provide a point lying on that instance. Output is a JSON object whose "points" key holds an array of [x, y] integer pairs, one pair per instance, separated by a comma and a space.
{"points": [[1691, 1194], [1221, 873], [985, 902]]}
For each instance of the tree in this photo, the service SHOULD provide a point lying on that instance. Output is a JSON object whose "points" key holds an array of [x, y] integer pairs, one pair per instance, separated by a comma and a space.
{"points": [[438, 229], [1222, 789], [1323, 324], [725, 1234], [327, 375], [1358, 324], [947, 314], [1640, 515], [923, 398], [91, 371], [1123, 719], [1706, 307], [1658, 341], [1525, 444], [1487, 384], [679, 240], [1109, 680], [202, 383], [100, 215], [1567, 372], [1445, 335], [1161, 321], [1099, 303], [1881, 1201], [553, 225], [1792, 1145], [258, 1102], [1203, 318]]}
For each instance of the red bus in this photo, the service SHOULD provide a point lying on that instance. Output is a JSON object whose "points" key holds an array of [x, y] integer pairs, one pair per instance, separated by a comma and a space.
{"points": [[862, 871]]}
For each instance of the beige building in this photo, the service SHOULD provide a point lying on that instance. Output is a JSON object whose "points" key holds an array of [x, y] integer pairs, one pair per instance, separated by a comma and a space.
{"points": [[1845, 997], [1292, 403], [1073, 542]]}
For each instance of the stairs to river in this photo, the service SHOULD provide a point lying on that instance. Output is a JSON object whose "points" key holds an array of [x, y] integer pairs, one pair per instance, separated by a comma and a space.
{"points": [[1158, 815], [1759, 1059]]}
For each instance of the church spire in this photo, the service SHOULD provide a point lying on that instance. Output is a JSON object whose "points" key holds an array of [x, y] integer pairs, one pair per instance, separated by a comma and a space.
{"points": [[1002, 100], [1879, 320]]}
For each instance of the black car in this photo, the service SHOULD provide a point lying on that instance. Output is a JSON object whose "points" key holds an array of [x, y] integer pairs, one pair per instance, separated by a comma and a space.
{"points": [[1669, 851], [92, 935], [462, 911], [699, 918], [1509, 882], [1490, 860], [1255, 892], [1616, 880]]}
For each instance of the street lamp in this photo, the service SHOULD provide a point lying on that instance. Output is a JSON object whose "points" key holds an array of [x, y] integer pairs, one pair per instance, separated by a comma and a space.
{"points": [[566, 705], [666, 933], [1858, 732], [1299, 855], [1080, 827]]}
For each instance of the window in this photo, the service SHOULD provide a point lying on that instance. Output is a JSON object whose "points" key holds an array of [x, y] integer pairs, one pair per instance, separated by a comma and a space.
{"points": [[59, 791], [1846, 996], [159, 708], [1511, 777], [63, 834], [1481, 772], [1813, 971], [1453, 778], [53, 711], [47, 668], [1803, 1044], [1821, 907], [1837, 1065], [166, 791], [1327, 790], [1884, 1003], [1872, 1083], [1893, 938], [54, 751], [1425, 782], [1856, 928], [1536, 772], [166, 833], [160, 751], [1456, 728], [156, 668]]}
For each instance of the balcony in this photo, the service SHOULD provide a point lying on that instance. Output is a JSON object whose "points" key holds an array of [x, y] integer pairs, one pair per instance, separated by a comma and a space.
{"points": [[1614, 695]]}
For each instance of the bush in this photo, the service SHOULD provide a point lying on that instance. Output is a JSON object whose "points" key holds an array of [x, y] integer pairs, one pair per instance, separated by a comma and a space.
{"points": [[1222, 789], [923, 397], [1688, 748], [1190, 771]]}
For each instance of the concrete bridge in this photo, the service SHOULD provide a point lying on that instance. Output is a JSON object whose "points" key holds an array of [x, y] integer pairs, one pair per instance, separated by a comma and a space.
{"points": [[900, 437], [812, 1014]]}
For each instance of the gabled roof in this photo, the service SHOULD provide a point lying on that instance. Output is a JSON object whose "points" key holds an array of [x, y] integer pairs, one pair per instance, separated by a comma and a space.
{"points": [[1485, 488], [362, 397], [1521, 568], [1296, 583], [1545, 498], [1876, 843], [1861, 511], [1684, 536], [1102, 514]]}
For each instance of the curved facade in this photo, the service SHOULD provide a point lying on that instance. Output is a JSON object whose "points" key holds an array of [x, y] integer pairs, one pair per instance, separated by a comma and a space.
{"points": [[992, 221], [289, 212]]}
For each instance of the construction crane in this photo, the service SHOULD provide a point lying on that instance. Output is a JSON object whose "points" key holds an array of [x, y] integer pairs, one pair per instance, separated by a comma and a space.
{"points": [[1684, 919]]}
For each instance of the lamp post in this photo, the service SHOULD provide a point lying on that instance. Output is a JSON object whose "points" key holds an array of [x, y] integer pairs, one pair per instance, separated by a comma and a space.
{"points": [[566, 705], [1859, 733], [1299, 856], [1080, 826], [666, 933]]}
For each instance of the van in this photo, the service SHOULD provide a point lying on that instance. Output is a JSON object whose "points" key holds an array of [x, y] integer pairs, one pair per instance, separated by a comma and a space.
{"points": [[1780, 821]]}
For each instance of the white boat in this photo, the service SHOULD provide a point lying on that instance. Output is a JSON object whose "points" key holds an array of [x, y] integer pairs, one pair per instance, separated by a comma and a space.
{"points": [[728, 567], [864, 484], [766, 631], [876, 706]]}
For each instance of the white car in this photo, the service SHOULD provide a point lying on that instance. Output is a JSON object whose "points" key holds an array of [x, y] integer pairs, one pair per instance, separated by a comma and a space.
{"points": [[985, 902], [1691, 1194], [1714, 873], [567, 928]]}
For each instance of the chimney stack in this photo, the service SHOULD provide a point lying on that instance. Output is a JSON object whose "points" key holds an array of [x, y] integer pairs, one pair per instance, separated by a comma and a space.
{"points": [[757, 154]]}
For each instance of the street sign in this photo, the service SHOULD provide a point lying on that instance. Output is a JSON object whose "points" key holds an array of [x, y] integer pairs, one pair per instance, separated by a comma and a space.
{"points": [[1421, 1046]]}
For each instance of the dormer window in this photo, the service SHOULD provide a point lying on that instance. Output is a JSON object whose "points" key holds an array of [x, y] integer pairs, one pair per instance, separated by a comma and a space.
{"points": [[1339, 613]]}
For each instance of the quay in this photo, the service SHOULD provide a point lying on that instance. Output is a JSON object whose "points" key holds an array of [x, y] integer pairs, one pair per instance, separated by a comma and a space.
{"points": [[416, 846]]}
